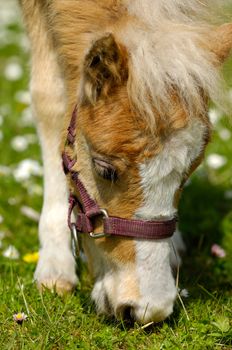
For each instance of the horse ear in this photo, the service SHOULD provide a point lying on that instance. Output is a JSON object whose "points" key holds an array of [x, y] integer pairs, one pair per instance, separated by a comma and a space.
{"points": [[220, 42], [105, 67]]}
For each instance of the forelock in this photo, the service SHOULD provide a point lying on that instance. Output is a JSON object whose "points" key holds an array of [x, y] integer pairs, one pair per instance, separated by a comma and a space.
{"points": [[167, 55]]}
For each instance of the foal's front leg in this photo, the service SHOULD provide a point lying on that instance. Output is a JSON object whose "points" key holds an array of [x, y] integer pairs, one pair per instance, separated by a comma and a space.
{"points": [[56, 266]]}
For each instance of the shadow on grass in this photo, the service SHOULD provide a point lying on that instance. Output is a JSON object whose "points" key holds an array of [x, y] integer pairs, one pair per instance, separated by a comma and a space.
{"points": [[205, 219]]}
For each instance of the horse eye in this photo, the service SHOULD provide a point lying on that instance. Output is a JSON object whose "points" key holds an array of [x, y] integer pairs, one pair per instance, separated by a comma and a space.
{"points": [[106, 170]]}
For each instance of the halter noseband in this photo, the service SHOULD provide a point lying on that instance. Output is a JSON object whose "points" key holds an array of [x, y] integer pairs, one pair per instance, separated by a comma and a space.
{"points": [[88, 209]]}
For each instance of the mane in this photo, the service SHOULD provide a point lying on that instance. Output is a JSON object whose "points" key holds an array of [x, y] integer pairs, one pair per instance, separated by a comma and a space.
{"points": [[167, 54], [152, 11]]}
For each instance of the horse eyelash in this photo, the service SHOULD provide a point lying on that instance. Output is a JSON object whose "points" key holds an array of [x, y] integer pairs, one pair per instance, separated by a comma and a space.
{"points": [[110, 174], [106, 173]]}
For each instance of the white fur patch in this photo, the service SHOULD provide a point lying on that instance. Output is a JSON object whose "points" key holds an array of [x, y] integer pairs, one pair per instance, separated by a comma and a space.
{"points": [[161, 177], [157, 285]]}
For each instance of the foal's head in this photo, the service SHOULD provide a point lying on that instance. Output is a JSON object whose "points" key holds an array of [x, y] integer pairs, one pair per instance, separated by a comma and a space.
{"points": [[142, 128]]}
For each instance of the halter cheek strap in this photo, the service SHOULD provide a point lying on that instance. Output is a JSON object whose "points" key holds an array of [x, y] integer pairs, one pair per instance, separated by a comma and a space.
{"points": [[88, 209]]}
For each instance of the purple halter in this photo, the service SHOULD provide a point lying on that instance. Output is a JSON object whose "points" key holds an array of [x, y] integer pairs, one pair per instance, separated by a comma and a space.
{"points": [[88, 209]]}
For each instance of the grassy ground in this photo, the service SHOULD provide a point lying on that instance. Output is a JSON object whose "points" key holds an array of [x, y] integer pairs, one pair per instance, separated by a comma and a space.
{"points": [[70, 323]]}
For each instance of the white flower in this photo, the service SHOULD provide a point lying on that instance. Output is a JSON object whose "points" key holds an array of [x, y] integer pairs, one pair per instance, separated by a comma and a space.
{"points": [[214, 115], [218, 251], [228, 194], [216, 161], [19, 317], [9, 13], [11, 253], [26, 168], [27, 117], [224, 134], [13, 71], [184, 293], [30, 213], [23, 97], [19, 143]]}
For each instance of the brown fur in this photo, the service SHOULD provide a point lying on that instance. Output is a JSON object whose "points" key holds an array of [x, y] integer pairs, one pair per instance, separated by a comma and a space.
{"points": [[220, 42]]}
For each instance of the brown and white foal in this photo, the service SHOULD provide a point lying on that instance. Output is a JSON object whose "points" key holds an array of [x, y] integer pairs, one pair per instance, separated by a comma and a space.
{"points": [[141, 74]]}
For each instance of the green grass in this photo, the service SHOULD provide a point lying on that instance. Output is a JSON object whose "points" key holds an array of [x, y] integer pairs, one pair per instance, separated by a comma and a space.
{"points": [[71, 323]]}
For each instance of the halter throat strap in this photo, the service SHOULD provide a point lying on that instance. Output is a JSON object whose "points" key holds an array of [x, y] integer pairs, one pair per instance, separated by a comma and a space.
{"points": [[88, 209]]}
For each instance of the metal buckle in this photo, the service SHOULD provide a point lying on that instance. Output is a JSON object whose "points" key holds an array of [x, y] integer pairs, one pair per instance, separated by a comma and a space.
{"points": [[75, 241], [102, 234]]}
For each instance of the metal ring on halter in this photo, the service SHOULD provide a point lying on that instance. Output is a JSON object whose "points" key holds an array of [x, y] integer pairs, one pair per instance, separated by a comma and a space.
{"points": [[101, 234], [74, 241]]}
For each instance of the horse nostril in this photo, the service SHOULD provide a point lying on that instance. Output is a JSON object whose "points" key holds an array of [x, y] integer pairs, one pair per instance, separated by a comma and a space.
{"points": [[125, 312]]}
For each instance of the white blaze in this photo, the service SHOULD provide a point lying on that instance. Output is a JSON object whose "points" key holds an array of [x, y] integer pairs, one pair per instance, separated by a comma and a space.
{"points": [[160, 178]]}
